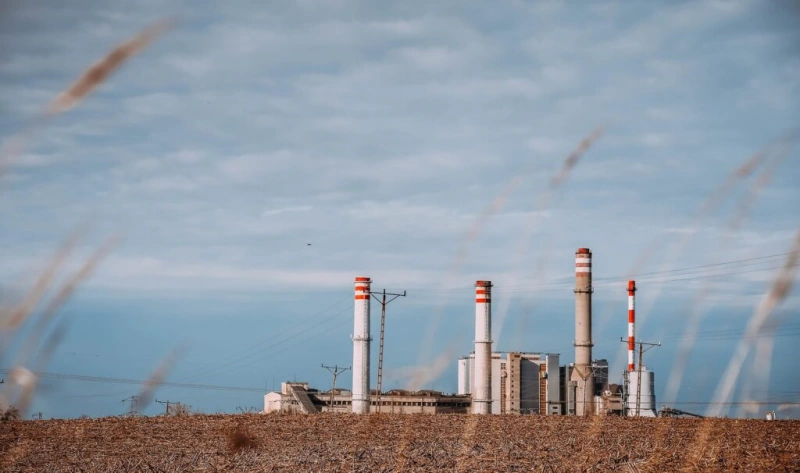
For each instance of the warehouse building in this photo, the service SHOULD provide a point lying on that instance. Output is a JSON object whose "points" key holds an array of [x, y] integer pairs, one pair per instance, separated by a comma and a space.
{"points": [[298, 397]]}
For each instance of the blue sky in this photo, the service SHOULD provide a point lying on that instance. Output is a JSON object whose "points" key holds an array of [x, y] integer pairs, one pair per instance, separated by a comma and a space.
{"points": [[378, 133]]}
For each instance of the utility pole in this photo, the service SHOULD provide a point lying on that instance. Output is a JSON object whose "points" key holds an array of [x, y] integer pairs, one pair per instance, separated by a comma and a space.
{"points": [[639, 372], [382, 300], [166, 405], [133, 404], [584, 376], [335, 371]]}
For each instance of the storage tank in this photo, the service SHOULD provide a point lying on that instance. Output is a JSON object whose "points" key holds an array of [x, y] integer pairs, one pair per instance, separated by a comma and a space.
{"points": [[647, 401], [463, 376]]}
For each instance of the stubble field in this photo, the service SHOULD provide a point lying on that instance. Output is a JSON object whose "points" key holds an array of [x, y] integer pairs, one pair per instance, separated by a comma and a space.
{"points": [[337, 442]]}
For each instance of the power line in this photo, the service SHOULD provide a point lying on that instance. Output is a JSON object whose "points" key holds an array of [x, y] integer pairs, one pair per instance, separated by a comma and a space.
{"points": [[645, 281], [243, 361], [110, 380], [702, 271], [701, 266], [713, 275], [736, 403], [249, 351], [788, 330]]}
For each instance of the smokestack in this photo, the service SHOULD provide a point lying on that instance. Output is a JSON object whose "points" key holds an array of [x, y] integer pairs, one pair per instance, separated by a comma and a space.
{"points": [[631, 324], [361, 341], [464, 386], [582, 373], [482, 390]]}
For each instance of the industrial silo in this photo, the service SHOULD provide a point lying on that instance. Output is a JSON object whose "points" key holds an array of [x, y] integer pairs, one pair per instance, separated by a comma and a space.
{"points": [[644, 404], [464, 386]]}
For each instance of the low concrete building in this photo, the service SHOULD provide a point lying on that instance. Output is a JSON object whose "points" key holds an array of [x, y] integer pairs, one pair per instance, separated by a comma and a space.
{"points": [[297, 397]]}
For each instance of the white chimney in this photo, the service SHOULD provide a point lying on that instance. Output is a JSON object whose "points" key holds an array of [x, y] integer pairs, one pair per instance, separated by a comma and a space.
{"points": [[361, 339], [481, 393]]}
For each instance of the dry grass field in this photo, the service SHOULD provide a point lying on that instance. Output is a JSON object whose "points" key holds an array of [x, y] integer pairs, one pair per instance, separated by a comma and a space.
{"points": [[375, 443]]}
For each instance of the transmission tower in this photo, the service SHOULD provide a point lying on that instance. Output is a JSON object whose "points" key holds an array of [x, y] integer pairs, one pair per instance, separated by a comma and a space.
{"points": [[384, 302], [166, 405], [335, 371], [133, 400]]}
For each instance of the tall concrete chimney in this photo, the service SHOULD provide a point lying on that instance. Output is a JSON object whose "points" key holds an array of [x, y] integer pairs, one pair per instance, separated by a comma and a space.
{"points": [[631, 324], [582, 373], [482, 389], [361, 341]]}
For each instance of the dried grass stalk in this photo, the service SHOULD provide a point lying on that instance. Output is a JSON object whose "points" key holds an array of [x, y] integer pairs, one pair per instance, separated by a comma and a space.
{"points": [[64, 294], [159, 375], [495, 206], [98, 72], [744, 171], [526, 241], [18, 314], [88, 81], [778, 156], [776, 294]]}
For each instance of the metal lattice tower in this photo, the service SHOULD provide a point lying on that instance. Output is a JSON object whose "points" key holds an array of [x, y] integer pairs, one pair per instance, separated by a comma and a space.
{"points": [[384, 302]]}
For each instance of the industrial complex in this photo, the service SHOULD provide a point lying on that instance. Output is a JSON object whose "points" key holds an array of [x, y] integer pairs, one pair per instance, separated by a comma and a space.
{"points": [[491, 382]]}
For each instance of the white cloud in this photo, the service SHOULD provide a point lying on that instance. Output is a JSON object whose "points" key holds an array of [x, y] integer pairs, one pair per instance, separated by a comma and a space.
{"points": [[299, 208], [399, 124]]}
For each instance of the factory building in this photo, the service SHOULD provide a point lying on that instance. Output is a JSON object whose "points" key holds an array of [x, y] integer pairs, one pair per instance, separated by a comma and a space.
{"points": [[299, 398], [521, 383], [491, 382], [573, 395]]}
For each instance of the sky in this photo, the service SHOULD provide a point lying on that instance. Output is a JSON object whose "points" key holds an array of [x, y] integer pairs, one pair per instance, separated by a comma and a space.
{"points": [[260, 155]]}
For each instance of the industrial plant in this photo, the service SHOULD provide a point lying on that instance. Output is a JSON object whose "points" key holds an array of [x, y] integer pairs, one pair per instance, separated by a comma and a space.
{"points": [[493, 382]]}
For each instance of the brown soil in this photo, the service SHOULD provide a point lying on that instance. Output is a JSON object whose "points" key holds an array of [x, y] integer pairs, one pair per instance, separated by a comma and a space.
{"points": [[339, 442]]}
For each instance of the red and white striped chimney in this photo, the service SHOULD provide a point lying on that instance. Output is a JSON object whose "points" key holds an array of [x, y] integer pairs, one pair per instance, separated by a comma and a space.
{"points": [[361, 339], [482, 389], [631, 324]]}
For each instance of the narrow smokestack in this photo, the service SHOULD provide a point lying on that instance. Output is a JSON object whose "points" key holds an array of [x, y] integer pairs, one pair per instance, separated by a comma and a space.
{"points": [[631, 324], [464, 386], [582, 373], [482, 389], [361, 341]]}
